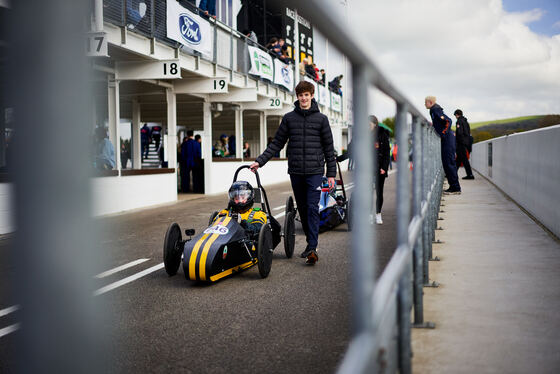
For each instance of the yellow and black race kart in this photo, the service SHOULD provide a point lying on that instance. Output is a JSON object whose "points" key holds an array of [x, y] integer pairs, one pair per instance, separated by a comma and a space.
{"points": [[224, 247]]}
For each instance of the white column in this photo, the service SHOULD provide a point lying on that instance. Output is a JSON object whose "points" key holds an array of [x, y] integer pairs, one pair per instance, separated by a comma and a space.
{"points": [[114, 120], [263, 132], [238, 133], [207, 144], [171, 148], [135, 143]]}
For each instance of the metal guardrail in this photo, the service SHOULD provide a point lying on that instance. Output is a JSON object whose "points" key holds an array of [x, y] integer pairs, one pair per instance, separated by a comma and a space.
{"points": [[381, 309]]}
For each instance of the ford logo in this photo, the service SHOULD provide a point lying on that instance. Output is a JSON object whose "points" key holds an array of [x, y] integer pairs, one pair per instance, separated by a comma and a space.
{"points": [[285, 75], [190, 29]]}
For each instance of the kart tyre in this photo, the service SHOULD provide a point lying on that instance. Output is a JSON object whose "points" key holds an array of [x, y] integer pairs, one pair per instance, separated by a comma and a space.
{"points": [[349, 213], [212, 216], [289, 204], [172, 249], [290, 234], [264, 250]]}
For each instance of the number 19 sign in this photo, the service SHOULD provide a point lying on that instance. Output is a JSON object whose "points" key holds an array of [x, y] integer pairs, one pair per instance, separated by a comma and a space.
{"points": [[163, 69]]}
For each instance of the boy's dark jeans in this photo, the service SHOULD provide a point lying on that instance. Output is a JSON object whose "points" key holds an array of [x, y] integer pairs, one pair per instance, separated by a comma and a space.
{"points": [[307, 191]]}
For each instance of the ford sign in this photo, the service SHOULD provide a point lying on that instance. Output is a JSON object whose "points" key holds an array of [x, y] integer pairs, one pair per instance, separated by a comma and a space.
{"points": [[190, 29]]}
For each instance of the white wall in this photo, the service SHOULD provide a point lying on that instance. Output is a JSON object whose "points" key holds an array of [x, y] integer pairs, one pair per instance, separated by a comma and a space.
{"points": [[118, 194], [526, 166], [6, 208], [222, 175]]}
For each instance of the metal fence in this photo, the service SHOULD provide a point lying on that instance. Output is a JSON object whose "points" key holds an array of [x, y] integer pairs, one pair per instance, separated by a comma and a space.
{"points": [[381, 309]]}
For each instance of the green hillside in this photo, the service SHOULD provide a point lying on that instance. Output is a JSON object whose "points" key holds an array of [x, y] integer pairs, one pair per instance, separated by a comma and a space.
{"points": [[500, 121], [493, 129]]}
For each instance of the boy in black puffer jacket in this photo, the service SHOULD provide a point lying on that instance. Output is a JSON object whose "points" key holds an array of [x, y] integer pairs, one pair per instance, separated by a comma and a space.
{"points": [[310, 146]]}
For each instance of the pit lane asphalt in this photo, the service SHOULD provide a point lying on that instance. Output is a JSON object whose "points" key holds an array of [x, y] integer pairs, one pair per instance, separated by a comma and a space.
{"points": [[295, 321]]}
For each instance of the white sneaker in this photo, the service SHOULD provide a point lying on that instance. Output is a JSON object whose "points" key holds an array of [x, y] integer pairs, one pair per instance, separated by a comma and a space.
{"points": [[378, 219]]}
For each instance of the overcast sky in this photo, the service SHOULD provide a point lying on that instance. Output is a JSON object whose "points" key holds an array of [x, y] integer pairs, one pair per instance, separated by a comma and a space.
{"points": [[491, 58]]}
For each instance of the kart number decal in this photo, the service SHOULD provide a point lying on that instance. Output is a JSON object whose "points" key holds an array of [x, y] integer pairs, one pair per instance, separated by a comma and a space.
{"points": [[220, 230]]}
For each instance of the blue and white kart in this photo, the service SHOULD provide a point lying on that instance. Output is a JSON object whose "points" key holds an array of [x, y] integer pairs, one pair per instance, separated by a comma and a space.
{"points": [[334, 207]]}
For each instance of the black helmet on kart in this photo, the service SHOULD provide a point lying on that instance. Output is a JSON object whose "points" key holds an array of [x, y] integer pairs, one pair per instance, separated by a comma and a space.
{"points": [[241, 196]]}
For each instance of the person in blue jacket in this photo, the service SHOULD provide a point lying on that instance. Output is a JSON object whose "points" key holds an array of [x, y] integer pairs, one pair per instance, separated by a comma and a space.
{"points": [[190, 151], [442, 125]]}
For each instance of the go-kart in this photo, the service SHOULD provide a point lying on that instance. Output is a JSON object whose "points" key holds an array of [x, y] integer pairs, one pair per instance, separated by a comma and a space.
{"points": [[224, 247], [334, 206]]}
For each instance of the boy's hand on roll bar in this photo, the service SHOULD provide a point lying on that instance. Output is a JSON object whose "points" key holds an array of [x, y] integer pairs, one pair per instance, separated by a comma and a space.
{"points": [[254, 166]]}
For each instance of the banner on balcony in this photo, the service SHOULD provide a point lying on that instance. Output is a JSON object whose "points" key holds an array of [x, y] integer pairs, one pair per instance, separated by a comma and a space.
{"points": [[261, 63], [283, 74], [189, 29], [336, 102], [323, 95]]}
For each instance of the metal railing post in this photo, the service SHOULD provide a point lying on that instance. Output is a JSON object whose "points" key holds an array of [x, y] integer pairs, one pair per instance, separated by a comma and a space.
{"points": [[363, 233], [417, 212], [403, 220]]}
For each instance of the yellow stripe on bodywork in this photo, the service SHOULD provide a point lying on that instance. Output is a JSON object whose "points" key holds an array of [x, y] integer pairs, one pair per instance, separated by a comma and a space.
{"points": [[194, 253], [232, 270], [204, 255]]}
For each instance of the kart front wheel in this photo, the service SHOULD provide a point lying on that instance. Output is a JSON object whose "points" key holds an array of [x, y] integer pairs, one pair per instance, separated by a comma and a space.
{"points": [[172, 249], [264, 250], [290, 233]]}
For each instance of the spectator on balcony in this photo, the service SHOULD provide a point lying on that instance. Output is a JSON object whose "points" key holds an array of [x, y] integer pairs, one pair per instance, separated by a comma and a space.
{"points": [[251, 37], [284, 52], [208, 7], [274, 48], [309, 68], [323, 76], [335, 85], [135, 12]]}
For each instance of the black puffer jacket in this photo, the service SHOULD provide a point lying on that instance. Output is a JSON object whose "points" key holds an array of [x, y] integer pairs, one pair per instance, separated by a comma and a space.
{"points": [[310, 142], [463, 131]]}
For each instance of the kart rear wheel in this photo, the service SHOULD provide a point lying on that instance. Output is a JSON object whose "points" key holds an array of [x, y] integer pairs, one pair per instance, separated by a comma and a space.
{"points": [[289, 204], [264, 250], [212, 217], [289, 234], [172, 249]]}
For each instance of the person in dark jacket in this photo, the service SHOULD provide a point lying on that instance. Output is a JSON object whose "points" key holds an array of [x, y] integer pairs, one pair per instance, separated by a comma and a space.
{"points": [[381, 142], [145, 139], [382, 148], [190, 151], [310, 146], [463, 142], [442, 125]]}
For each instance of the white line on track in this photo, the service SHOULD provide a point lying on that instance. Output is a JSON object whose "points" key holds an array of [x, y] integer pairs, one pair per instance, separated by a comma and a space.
{"points": [[5, 312], [279, 215], [278, 207], [127, 280], [120, 268], [9, 329]]}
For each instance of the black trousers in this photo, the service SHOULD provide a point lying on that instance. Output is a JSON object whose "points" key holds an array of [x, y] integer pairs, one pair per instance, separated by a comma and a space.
{"points": [[462, 158], [379, 184], [307, 191]]}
